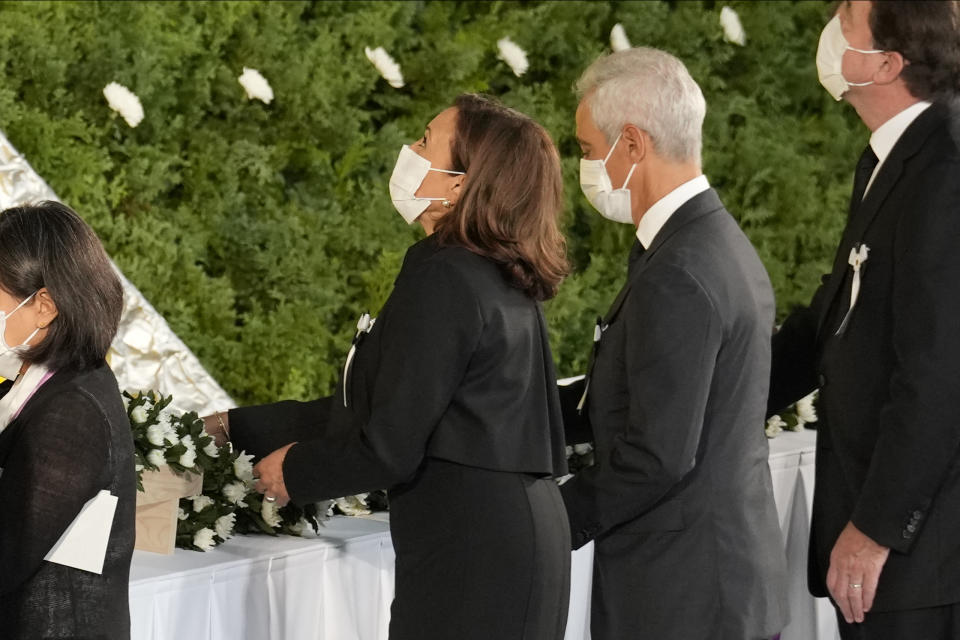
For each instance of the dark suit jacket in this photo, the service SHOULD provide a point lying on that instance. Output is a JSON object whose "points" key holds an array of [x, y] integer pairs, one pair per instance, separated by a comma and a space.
{"points": [[457, 367], [71, 440], [888, 446], [680, 500]]}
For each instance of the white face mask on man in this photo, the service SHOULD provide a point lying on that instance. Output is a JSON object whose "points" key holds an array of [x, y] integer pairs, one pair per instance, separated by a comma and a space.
{"points": [[613, 204], [10, 359], [833, 44], [408, 174]]}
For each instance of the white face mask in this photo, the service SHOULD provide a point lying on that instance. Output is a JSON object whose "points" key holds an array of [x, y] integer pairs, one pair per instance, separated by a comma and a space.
{"points": [[10, 360], [613, 204], [408, 175], [833, 44]]}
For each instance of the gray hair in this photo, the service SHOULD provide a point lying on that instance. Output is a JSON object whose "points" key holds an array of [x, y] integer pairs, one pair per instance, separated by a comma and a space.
{"points": [[652, 90]]}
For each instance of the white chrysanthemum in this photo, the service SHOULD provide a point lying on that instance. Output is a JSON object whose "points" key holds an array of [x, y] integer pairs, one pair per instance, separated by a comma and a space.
{"points": [[618, 38], [583, 448], [155, 458], [203, 539], [181, 514], [138, 468], [155, 435], [243, 468], [271, 513], [775, 425], [235, 492], [211, 449], [354, 505], [805, 409], [224, 525], [256, 85], [386, 65], [124, 102], [189, 457], [732, 28], [138, 415], [513, 55], [201, 502]]}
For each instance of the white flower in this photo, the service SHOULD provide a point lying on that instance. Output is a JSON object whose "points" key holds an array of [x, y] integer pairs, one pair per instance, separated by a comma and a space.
{"points": [[256, 85], [805, 409], [775, 425], [203, 539], [139, 415], [569, 451], [235, 492], [138, 468], [354, 505], [211, 449], [124, 102], [242, 467], [189, 457], [732, 29], [386, 65], [271, 513], [201, 502], [618, 38], [155, 458], [187, 441], [155, 435], [181, 514], [165, 420], [583, 448], [224, 525], [513, 55]]}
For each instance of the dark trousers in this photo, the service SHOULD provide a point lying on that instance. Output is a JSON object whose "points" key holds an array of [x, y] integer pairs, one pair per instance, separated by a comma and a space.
{"points": [[933, 623]]}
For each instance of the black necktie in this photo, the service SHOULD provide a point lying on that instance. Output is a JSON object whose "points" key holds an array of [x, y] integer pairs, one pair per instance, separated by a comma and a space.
{"points": [[865, 166], [635, 252]]}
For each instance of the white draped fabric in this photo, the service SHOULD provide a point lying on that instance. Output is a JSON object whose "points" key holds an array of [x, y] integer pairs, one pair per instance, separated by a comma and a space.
{"points": [[339, 585]]}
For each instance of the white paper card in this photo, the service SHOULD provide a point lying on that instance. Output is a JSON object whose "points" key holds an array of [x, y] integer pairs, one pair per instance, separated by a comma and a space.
{"points": [[84, 544]]}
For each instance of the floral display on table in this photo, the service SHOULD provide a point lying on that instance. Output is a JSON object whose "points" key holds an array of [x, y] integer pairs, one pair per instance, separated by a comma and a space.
{"points": [[793, 418], [228, 503]]}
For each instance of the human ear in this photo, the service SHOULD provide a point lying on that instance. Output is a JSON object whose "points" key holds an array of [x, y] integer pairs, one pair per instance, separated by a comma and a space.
{"points": [[47, 310], [636, 141]]}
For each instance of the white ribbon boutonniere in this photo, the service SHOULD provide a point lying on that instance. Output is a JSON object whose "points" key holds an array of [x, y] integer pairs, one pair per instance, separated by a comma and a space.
{"points": [[364, 326], [858, 257]]}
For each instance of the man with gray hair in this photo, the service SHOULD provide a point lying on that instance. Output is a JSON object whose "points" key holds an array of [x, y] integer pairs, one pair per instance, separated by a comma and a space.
{"points": [[680, 500]]}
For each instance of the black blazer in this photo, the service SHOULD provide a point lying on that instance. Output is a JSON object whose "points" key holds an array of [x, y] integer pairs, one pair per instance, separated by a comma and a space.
{"points": [[457, 367], [71, 440], [888, 446], [680, 500]]}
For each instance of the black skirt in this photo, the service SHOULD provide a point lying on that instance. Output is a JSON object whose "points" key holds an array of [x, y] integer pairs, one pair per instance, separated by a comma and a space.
{"points": [[480, 555]]}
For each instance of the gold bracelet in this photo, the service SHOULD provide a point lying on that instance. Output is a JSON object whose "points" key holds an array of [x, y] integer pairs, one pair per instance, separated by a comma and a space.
{"points": [[223, 427]]}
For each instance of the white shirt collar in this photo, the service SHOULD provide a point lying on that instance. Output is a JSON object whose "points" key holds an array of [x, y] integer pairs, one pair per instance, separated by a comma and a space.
{"points": [[887, 134], [657, 215]]}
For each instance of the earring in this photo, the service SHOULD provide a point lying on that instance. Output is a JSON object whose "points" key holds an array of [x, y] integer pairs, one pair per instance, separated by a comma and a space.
{"points": [[447, 203]]}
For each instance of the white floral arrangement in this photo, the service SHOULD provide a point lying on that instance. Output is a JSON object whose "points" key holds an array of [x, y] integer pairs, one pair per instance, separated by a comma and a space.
{"points": [[793, 418], [228, 503]]}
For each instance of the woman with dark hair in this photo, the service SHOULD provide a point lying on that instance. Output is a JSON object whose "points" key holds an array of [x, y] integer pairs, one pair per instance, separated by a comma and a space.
{"points": [[449, 398], [64, 433]]}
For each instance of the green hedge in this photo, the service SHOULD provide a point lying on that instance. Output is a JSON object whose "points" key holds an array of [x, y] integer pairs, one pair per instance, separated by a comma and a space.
{"points": [[260, 232]]}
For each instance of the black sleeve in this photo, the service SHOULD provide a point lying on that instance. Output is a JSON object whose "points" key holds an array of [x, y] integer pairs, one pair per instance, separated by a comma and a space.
{"points": [[669, 368], [59, 461], [264, 428], [576, 425], [428, 340], [793, 369]]}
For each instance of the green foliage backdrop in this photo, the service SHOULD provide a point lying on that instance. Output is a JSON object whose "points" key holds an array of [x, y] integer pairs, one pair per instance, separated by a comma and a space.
{"points": [[261, 232]]}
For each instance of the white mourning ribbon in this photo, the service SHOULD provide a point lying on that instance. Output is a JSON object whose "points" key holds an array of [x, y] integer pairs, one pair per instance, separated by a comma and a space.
{"points": [[364, 325], [857, 258]]}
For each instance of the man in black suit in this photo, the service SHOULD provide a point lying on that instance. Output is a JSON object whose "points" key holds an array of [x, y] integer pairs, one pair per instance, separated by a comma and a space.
{"points": [[680, 500], [880, 336]]}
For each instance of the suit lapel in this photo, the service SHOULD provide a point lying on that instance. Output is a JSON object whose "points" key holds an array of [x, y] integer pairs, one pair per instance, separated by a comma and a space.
{"points": [[890, 173]]}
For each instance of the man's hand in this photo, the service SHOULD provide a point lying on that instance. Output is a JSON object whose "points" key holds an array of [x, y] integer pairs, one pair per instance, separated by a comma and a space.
{"points": [[269, 474], [855, 565]]}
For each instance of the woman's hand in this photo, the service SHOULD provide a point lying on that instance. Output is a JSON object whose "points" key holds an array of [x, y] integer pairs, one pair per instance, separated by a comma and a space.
{"points": [[217, 425], [269, 475]]}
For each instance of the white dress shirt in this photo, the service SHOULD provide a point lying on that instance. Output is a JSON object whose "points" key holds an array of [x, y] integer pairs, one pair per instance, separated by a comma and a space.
{"points": [[657, 215], [887, 134]]}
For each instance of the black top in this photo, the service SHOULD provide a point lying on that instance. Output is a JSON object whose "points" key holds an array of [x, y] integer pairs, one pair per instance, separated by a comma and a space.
{"points": [[71, 440], [456, 367]]}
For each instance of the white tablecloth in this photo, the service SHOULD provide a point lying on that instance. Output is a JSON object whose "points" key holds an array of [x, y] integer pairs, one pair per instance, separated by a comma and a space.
{"points": [[339, 586]]}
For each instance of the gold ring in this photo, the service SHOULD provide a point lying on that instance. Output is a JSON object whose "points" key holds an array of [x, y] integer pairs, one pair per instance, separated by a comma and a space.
{"points": [[856, 585]]}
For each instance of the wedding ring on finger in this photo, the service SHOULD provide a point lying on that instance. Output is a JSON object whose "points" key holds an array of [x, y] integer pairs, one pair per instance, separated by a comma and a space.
{"points": [[274, 499], [856, 585]]}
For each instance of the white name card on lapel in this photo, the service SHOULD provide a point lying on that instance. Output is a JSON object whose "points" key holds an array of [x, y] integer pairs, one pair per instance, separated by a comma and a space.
{"points": [[84, 544]]}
